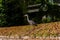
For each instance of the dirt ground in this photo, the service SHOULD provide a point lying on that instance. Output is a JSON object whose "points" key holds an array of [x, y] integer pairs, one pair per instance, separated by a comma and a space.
{"points": [[43, 30]]}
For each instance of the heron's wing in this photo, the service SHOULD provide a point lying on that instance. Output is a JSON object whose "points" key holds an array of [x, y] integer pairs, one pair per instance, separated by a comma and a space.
{"points": [[32, 22]]}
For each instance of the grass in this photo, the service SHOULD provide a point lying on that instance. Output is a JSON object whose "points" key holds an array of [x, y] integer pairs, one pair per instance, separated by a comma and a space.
{"points": [[45, 29]]}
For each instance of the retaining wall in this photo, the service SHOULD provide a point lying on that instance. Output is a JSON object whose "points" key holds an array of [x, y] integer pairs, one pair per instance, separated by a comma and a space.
{"points": [[27, 38]]}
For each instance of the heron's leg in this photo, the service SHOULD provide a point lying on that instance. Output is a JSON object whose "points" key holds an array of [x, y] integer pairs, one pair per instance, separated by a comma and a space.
{"points": [[35, 27], [30, 28]]}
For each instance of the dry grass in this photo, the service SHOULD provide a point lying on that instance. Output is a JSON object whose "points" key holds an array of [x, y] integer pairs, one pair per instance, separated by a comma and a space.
{"points": [[47, 29]]}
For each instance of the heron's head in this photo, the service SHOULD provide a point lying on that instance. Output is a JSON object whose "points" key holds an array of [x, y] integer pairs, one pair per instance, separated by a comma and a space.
{"points": [[26, 15]]}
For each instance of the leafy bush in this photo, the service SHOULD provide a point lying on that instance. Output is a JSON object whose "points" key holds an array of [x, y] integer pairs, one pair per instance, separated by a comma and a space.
{"points": [[49, 18], [2, 19], [2, 14]]}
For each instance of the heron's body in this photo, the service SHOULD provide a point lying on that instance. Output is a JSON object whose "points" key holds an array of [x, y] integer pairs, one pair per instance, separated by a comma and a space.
{"points": [[32, 23]]}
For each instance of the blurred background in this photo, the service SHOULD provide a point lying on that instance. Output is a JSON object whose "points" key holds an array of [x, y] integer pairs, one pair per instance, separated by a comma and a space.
{"points": [[41, 11]]}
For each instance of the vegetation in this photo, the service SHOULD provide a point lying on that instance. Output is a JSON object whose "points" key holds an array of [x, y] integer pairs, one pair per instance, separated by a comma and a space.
{"points": [[12, 11]]}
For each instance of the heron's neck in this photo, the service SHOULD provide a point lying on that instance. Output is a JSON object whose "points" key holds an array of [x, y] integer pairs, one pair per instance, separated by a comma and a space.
{"points": [[27, 18]]}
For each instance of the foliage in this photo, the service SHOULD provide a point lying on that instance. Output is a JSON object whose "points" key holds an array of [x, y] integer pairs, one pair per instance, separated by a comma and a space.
{"points": [[13, 11], [2, 14], [50, 9], [2, 19]]}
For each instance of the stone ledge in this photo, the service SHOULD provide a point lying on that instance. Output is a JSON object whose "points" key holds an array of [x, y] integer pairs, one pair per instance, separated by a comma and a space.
{"points": [[27, 38]]}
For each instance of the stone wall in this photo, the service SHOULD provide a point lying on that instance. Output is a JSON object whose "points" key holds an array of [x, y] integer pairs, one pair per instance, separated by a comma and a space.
{"points": [[27, 38]]}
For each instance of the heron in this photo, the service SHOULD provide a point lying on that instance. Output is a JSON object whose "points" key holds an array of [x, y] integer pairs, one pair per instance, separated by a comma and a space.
{"points": [[31, 22]]}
